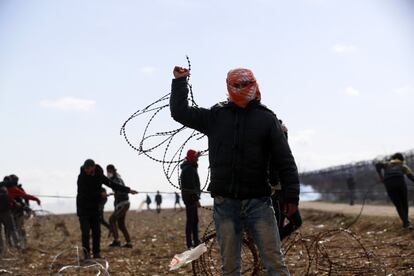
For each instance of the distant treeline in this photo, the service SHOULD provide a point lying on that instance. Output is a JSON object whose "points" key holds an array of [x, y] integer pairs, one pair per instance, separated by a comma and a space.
{"points": [[332, 184]]}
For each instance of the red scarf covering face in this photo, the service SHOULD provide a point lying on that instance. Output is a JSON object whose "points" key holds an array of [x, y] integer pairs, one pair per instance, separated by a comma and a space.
{"points": [[242, 87]]}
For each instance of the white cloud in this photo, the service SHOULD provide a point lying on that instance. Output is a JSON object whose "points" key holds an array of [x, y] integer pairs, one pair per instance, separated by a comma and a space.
{"points": [[343, 49], [148, 69], [405, 90], [352, 92], [69, 103]]}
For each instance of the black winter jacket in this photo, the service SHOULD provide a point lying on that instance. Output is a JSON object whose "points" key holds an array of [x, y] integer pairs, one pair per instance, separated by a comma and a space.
{"points": [[247, 147], [190, 183], [89, 191]]}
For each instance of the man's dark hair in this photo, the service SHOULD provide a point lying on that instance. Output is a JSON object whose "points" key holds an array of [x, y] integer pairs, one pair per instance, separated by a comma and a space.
{"points": [[398, 156], [13, 179], [111, 168], [6, 178], [88, 163]]}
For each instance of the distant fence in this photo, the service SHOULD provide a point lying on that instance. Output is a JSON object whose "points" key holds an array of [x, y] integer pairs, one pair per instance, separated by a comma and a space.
{"points": [[331, 182]]}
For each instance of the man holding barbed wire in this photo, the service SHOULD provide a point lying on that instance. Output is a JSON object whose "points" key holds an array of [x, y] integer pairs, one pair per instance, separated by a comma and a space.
{"points": [[247, 153]]}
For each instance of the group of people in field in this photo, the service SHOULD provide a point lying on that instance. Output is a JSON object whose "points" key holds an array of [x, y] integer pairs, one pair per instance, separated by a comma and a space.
{"points": [[14, 209], [158, 201]]}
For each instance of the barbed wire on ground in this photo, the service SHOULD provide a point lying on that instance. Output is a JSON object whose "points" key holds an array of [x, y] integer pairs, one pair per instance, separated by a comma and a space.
{"points": [[336, 251], [68, 262]]}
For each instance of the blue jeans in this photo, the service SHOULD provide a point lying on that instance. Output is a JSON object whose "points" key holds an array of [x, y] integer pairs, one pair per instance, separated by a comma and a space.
{"points": [[257, 217]]}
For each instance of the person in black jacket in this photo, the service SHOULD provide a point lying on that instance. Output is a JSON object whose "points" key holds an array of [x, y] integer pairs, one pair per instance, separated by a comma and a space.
{"points": [[148, 202], [158, 201], [177, 201], [393, 178], [190, 191], [247, 152], [90, 182]]}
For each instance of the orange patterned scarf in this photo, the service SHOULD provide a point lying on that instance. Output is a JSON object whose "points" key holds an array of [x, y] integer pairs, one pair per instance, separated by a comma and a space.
{"points": [[242, 87]]}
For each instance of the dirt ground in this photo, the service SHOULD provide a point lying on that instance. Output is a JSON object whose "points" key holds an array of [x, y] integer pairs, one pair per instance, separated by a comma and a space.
{"points": [[374, 245], [369, 210]]}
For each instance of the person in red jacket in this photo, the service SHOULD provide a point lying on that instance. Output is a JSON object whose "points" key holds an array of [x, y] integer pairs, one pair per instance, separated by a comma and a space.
{"points": [[14, 192]]}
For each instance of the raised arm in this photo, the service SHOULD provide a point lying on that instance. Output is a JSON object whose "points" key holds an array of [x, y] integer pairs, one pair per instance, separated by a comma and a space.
{"points": [[19, 192], [115, 186], [282, 164], [193, 117]]}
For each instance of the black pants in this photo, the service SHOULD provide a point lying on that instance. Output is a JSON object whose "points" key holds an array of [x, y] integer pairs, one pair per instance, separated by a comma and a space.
{"points": [[6, 219], [88, 224], [397, 191], [103, 221], [117, 220], [293, 222], [191, 226]]}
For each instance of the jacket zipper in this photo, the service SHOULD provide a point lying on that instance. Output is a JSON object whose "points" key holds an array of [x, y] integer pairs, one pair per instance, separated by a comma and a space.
{"points": [[233, 187]]}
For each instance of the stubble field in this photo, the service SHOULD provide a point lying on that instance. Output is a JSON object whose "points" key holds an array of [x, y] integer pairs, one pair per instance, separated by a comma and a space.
{"points": [[324, 246]]}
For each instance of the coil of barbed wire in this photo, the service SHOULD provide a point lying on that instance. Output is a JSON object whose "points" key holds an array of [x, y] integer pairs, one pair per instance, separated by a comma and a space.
{"points": [[165, 147], [148, 145], [337, 251]]}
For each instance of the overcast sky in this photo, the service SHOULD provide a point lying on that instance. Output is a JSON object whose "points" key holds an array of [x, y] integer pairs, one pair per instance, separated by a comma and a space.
{"points": [[339, 73]]}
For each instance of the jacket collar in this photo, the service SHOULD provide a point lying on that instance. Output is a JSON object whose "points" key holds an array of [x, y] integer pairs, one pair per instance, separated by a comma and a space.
{"points": [[252, 104]]}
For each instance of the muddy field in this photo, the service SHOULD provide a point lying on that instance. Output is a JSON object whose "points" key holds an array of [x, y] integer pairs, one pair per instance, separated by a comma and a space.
{"points": [[372, 246]]}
